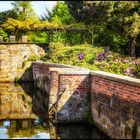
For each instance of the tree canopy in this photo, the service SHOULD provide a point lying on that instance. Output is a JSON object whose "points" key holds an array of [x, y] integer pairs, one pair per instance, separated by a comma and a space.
{"points": [[24, 10], [60, 14], [121, 16], [7, 14], [109, 23]]}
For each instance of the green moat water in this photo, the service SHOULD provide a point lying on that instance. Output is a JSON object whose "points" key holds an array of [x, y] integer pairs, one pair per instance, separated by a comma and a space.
{"points": [[22, 116]]}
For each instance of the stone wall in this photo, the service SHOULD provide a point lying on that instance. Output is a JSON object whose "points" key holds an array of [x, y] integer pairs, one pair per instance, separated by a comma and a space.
{"points": [[114, 99], [69, 91], [12, 58], [115, 104]]}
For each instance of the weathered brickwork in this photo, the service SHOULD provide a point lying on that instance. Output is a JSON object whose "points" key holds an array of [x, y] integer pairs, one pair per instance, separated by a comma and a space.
{"points": [[114, 100], [73, 105], [68, 91], [115, 107]]}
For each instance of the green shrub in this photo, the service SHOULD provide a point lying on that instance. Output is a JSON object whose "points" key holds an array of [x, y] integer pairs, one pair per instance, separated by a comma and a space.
{"points": [[94, 58], [37, 37], [4, 35], [58, 53], [33, 58]]}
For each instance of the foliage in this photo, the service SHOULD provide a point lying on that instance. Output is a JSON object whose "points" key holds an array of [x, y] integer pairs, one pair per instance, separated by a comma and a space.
{"points": [[13, 25], [107, 37], [18, 27], [7, 14], [30, 24], [24, 10], [126, 13], [93, 58], [58, 53], [37, 37], [4, 35], [90, 11], [60, 14], [33, 58]]}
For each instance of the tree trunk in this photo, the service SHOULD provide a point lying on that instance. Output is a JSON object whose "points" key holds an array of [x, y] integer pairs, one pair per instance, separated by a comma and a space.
{"points": [[131, 46], [92, 39]]}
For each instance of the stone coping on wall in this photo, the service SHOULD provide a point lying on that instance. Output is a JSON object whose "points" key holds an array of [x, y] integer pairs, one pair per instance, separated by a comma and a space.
{"points": [[69, 70], [59, 65], [116, 77]]}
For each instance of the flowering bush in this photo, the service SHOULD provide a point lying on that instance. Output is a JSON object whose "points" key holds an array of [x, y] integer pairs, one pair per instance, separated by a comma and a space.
{"points": [[72, 55], [80, 56], [93, 58]]}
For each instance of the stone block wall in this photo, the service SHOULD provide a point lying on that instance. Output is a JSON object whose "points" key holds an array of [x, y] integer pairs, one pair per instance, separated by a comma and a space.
{"points": [[12, 57], [115, 104]]}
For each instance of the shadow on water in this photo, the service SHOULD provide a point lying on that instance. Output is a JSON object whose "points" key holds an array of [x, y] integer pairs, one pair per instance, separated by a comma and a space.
{"points": [[23, 114], [78, 131], [40, 99]]}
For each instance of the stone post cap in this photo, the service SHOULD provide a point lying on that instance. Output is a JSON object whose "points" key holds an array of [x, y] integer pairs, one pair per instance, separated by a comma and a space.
{"points": [[12, 38], [24, 39]]}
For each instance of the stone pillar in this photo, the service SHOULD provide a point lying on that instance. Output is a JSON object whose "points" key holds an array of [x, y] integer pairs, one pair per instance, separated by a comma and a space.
{"points": [[24, 39], [12, 39]]}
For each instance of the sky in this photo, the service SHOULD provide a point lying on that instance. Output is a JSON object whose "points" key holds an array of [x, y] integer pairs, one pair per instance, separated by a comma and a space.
{"points": [[38, 6]]}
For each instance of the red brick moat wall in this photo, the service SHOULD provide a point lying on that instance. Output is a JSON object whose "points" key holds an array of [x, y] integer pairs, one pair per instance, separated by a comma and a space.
{"points": [[69, 87], [115, 104], [114, 100]]}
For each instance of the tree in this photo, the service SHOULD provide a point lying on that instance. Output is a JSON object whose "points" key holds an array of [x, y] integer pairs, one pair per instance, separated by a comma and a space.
{"points": [[91, 13], [20, 19], [120, 16], [127, 15], [19, 27], [7, 14], [60, 14], [24, 10]]}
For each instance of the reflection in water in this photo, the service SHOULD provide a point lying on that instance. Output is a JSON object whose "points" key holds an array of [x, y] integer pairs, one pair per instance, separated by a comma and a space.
{"points": [[16, 115], [79, 131], [23, 129], [40, 104], [14, 102], [40, 98], [17, 120]]}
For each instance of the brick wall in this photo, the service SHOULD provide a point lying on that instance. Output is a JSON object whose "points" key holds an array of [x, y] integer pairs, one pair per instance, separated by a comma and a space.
{"points": [[115, 104], [114, 99], [73, 106], [69, 89]]}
